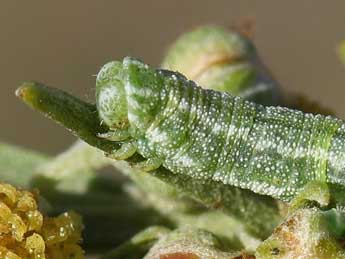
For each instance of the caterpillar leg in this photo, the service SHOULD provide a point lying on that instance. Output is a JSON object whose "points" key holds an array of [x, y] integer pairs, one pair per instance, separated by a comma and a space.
{"points": [[314, 194], [148, 165], [115, 134], [127, 150]]}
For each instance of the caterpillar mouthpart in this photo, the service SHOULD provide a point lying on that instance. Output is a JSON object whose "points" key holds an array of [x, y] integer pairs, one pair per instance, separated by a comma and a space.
{"points": [[111, 96]]}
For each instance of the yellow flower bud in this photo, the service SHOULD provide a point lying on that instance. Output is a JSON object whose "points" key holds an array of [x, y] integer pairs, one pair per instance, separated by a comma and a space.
{"points": [[26, 233]]}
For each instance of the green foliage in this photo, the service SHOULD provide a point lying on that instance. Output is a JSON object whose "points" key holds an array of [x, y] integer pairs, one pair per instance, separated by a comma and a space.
{"points": [[18, 164], [242, 204], [69, 181], [138, 245], [224, 60], [194, 218]]}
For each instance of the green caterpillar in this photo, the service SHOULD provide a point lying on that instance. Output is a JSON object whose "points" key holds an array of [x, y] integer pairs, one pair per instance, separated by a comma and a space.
{"points": [[207, 134]]}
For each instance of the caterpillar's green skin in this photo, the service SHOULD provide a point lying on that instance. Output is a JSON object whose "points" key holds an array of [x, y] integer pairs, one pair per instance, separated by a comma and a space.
{"points": [[212, 135]]}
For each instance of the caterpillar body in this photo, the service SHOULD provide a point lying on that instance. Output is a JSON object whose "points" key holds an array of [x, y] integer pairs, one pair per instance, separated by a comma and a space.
{"points": [[213, 135]]}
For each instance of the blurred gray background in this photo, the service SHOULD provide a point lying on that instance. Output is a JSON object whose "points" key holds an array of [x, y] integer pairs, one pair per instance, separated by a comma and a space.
{"points": [[64, 43]]}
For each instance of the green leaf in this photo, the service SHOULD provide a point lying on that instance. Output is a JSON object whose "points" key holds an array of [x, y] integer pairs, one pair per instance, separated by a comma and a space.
{"points": [[138, 245], [72, 170], [224, 60], [17, 165]]}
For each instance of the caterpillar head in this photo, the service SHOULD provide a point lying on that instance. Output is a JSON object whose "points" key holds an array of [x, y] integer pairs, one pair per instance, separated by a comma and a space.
{"points": [[111, 96], [128, 93]]}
